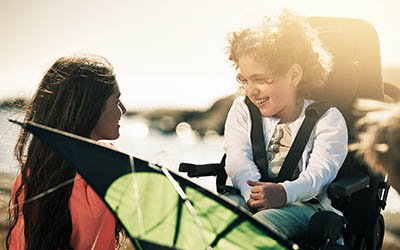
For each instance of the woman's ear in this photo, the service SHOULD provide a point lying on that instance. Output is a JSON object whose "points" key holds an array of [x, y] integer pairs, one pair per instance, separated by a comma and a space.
{"points": [[295, 74]]}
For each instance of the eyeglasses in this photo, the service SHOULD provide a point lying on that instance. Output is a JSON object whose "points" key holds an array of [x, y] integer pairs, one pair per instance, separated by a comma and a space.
{"points": [[259, 80]]}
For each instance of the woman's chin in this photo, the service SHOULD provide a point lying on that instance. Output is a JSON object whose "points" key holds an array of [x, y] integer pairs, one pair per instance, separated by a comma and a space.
{"points": [[114, 137], [110, 137]]}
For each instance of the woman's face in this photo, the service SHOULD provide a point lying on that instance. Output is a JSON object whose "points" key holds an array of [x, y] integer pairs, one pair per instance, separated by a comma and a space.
{"points": [[107, 128]]}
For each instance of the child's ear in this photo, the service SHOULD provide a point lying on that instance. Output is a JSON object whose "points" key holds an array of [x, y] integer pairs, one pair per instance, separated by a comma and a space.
{"points": [[295, 73]]}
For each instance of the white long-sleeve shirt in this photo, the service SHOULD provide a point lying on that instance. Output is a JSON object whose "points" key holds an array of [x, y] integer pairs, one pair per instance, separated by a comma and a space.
{"points": [[321, 160]]}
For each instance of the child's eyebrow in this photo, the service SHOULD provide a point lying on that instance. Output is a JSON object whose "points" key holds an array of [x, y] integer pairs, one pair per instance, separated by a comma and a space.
{"points": [[253, 75], [260, 75]]}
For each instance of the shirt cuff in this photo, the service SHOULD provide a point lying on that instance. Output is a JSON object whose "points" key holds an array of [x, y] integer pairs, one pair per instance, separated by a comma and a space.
{"points": [[245, 194], [290, 190], [239, 180]]}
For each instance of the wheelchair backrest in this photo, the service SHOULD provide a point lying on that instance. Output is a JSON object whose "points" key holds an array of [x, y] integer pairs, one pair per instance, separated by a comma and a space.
{"points": [[357, 73]]}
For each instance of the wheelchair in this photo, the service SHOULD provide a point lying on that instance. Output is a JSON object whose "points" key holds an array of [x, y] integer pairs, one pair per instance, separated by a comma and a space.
{"points": [[360, 194]]}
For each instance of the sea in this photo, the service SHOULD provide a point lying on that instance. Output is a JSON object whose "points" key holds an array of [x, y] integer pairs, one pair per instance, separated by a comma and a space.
{"points": [[138, 139]]}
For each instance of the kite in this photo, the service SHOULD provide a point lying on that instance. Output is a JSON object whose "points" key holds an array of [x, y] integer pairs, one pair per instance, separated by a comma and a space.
{"points": [[158, 208]]}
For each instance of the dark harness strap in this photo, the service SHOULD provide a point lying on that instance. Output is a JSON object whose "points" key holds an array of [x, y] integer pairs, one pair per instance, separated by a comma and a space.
{"points": [[257, 140], [313, 112]]}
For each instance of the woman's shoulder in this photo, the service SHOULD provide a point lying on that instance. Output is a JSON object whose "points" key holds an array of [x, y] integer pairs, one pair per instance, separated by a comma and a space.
{"points": [[16, 185]]}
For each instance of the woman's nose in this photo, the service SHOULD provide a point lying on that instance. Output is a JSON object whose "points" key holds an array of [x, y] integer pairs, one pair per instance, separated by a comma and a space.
{"points": [[122, 107]]}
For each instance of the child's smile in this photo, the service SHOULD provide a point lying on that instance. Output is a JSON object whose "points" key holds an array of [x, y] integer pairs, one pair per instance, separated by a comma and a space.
{"points": [[261, 101]]}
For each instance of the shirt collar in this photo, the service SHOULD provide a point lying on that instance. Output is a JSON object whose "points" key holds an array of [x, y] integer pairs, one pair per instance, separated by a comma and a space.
{"points": [[295, 126]]}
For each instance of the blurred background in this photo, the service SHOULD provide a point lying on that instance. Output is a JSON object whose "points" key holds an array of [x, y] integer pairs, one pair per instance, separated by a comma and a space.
{"points": [[166, 53], [170, 63]]}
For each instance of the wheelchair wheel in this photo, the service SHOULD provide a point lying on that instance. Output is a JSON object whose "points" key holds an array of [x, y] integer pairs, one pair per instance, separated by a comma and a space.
{"points": [[376, 240]]}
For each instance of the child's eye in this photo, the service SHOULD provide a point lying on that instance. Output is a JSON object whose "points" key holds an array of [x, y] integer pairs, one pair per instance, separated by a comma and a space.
{"points": [[264, 81], [269, 81], [260, 80]]}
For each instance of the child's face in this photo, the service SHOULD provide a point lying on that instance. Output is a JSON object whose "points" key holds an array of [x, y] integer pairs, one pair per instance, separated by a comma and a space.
{"points": [[274, 95], [107, 127]]}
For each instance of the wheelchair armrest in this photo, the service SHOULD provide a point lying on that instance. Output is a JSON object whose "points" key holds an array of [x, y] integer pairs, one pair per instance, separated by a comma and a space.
{"points": [[194, 170], [348, 185]]}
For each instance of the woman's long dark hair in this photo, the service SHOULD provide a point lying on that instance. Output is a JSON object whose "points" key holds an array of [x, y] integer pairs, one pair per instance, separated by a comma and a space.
{"points": [[70, 97]]}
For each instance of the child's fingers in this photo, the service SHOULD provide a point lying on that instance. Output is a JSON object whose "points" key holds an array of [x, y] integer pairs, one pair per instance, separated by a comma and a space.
{"points": [[253, 183], [256, 189], [256, 204], [254, 196]]}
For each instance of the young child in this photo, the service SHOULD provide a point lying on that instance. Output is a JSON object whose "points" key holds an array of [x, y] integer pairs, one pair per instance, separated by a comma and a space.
{"points": [[378, 140], [52, 207], [281, 64]]}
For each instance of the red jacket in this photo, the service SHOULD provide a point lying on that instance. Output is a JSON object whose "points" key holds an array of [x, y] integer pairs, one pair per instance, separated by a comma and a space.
{"points": [[93, 225]]}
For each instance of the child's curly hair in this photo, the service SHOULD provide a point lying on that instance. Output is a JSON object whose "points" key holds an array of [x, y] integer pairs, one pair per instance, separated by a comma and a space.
{"points": [[378, 138], [280, 43]]}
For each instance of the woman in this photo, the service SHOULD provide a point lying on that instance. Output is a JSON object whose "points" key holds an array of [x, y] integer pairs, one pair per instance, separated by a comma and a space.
{"points": [[52, 206]]}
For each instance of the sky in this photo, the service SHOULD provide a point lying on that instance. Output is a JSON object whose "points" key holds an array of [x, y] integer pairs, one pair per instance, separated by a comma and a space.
{"points": [[165, 53]]}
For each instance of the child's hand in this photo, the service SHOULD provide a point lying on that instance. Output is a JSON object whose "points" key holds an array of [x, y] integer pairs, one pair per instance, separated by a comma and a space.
{"points": [[266, 195]]}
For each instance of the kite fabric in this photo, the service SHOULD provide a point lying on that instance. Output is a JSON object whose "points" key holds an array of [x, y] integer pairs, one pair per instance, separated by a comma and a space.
{"points": [[158, 208]]}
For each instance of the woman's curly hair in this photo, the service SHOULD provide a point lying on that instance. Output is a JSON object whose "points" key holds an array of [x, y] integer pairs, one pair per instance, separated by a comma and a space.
{"points": [[279, 43], [378, 135]]}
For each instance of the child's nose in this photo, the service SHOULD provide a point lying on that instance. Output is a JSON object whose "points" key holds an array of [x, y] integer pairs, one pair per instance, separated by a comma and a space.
{"points": [[253, 89]]}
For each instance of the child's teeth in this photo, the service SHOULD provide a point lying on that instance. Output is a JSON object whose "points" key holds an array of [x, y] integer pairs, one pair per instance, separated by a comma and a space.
{"points": [[261, 101]]}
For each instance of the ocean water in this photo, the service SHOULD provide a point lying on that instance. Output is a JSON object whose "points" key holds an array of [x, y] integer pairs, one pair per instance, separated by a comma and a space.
{"points": [[136, 139], [139, 140]]}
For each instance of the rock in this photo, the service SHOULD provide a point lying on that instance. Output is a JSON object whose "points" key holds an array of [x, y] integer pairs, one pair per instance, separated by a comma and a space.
{"points": [[13, 103], [212, 119]]}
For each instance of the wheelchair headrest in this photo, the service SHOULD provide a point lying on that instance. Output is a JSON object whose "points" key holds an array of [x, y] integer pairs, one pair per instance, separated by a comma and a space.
{"points": [[357, 66]]}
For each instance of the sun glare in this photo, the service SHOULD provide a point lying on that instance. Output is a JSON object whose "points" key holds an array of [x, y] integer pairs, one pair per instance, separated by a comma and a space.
{"points": [[165, 54]]}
